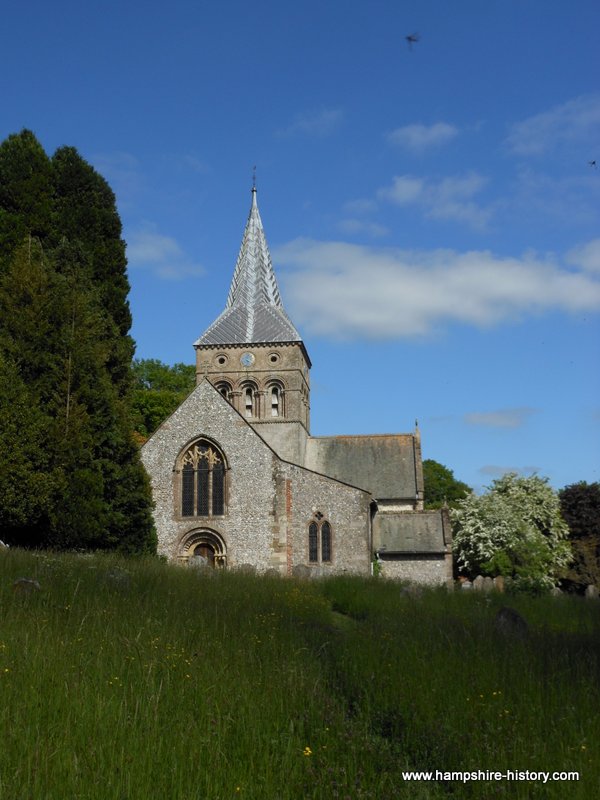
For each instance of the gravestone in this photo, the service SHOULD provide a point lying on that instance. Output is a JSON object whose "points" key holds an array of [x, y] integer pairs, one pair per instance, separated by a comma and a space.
{"points": [[511, 624]]}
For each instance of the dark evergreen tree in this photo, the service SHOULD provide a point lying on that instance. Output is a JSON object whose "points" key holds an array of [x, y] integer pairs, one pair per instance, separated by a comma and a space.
{"points": [[26, 194], [580, 506], [28, 481], [64, 330], [86, 212]]}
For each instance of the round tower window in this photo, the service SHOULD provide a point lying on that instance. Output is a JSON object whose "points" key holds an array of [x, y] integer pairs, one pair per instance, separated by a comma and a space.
{"points": [[274, 358]]}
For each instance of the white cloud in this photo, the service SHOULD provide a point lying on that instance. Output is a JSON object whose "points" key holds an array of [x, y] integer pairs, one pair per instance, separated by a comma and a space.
{"points": [[353, 226], [574, 122], [346, 290], [571, 200], [418, 138], [162, 255], [503, 418], [122, 171], [314, 123], [450, 198], [586, 256], [496, 471], [362, 205]]}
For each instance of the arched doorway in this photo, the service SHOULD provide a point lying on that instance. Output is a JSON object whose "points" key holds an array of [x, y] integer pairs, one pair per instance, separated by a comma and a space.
{"points": [[203, 548], [203, 554]]}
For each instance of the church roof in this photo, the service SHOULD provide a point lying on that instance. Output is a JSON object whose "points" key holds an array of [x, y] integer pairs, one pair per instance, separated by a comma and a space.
{"points": [[254, 312], [384, 464], [413, 532]]}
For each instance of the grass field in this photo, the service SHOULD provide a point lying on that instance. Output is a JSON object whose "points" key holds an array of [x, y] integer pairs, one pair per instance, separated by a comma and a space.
{"points": [[122, 680]]}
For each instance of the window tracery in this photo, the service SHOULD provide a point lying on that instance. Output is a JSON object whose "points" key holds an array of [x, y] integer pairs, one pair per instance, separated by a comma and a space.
{"points": [[319, 540], [202, 481]]}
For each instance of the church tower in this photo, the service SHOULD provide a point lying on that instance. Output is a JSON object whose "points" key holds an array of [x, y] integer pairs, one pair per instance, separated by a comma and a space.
{"points": [[253, 354]]}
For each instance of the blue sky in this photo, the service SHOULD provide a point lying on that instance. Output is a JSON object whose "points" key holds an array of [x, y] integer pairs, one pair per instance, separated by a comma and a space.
{"points": [[431, 210]]}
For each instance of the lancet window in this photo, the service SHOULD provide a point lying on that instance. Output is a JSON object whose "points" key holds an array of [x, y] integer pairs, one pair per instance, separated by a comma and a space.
{"points": [[202, 481], [249, 400], [275, 400], [319, 541]]}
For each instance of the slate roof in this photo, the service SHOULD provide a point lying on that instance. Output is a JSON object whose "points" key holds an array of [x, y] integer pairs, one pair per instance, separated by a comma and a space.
{"points": [[385, 465], [413, 532], [254, 312]]}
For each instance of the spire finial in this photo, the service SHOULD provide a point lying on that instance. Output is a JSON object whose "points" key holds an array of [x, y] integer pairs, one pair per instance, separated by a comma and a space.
{"points": [[254, 178]]}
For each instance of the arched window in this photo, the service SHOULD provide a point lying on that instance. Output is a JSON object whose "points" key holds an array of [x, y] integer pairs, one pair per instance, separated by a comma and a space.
{"points": [[202, 481], [223, 388], [325, 541], [313, 542], [249, 400], [319, 540], [275, 400]]}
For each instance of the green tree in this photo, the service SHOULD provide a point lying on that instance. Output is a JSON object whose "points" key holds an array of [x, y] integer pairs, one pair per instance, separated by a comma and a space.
{"points": [[64, 322], [441, 487], [158, 390], [28, 480], [515, 529], [26, 194], [580, 506], [86, 213]]}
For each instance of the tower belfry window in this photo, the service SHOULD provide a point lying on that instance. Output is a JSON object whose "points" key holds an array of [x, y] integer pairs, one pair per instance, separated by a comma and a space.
{"points": [[275, 402], [202, 481], [248, 402], [224, 388]]}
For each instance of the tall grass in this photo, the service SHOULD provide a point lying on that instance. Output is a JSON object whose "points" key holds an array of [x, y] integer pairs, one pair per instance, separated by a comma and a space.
{"points": [[134, 679]]}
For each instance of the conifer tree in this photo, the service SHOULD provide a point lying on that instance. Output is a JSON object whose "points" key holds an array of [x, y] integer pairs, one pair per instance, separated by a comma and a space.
{"points": [[26, 194], [64, 328]]}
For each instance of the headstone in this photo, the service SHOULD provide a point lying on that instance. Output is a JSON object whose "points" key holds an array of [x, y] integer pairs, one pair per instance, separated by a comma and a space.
{"points": [[591, 592], [555, 591], [478, 583], [301, 571], [272, 573], [488, 584], [466, 585], [511, 624], [499, 583], [25, 585]]}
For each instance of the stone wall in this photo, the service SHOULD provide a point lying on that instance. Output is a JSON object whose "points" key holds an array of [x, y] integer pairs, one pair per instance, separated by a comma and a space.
{"points": [[347, 510], [432, 570], [269, 502]]}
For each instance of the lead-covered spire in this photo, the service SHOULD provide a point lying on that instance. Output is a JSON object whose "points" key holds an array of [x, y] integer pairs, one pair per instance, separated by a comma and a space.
{"points": [[254, 311]]}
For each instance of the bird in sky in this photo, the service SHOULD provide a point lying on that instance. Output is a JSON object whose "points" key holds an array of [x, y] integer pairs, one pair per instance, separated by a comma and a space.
{"points": [[592, 164], [412, 38]]}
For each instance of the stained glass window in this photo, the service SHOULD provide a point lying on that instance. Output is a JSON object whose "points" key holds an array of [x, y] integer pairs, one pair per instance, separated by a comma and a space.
{"points": [[313, 542], [202, 481], [319, 540], [325, 542]]}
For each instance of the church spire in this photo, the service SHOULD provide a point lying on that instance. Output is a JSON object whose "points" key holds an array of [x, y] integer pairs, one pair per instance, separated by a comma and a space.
{"points": [[254, 312]]}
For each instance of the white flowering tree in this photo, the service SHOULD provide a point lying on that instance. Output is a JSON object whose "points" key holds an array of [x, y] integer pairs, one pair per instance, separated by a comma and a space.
{"points": [[515, 529]]}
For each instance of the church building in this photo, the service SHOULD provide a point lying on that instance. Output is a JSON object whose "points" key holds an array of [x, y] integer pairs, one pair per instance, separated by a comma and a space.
{"points": [[238, 480]]}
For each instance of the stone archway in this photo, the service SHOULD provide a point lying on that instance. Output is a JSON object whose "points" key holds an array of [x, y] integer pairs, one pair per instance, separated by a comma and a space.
{"points": [[203, 548]]}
